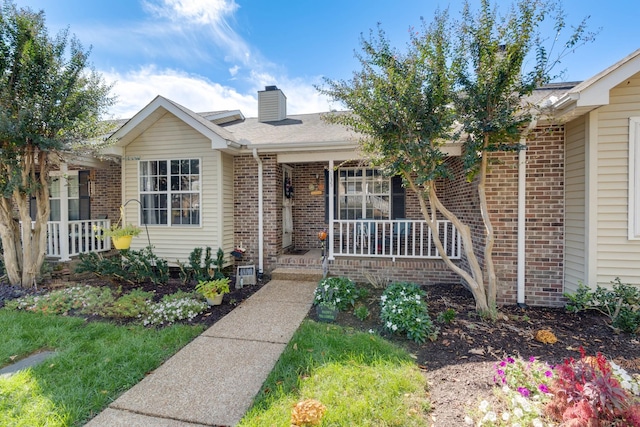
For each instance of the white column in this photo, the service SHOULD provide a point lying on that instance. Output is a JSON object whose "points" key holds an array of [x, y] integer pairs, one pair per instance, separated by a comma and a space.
{"points": [[331, 210], [64, 214]]}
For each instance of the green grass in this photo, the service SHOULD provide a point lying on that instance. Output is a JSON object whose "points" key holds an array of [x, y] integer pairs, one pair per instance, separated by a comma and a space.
{"points": [[94, 364], [362, 379]]}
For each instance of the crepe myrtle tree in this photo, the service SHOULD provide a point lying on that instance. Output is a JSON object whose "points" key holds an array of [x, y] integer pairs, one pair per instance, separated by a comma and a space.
{"points": [[50, 102], [462, 81]]}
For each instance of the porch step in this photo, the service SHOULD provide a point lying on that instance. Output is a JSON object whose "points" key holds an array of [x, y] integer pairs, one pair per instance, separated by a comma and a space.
{"points": [[298, 274]]}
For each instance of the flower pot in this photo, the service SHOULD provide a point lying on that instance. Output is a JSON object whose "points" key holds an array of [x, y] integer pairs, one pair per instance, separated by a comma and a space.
{"points": [[217, 300], [327, 313], [122, 242]]}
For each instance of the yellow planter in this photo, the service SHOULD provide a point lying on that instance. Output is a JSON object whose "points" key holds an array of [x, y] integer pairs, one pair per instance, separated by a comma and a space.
{"points": [[123, 242]]}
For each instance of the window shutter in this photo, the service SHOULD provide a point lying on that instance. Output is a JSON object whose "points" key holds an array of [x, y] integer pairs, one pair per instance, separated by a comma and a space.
{"points": [[83, 194], [397, 198], [326, 196]]}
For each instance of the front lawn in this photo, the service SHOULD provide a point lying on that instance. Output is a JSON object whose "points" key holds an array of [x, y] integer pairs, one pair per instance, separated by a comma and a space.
{"points": [[94, 363], [361, 378]]}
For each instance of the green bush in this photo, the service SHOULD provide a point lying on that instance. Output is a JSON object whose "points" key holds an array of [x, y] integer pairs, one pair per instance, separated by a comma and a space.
{"points": [[620, 304], [340, 292], [405, 311], [131, 267], [83, 299], [200, 268], [131, 305]]}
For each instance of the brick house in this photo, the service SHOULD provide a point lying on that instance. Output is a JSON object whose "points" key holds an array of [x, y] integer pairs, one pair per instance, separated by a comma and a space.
{"points": [[565, 210]]}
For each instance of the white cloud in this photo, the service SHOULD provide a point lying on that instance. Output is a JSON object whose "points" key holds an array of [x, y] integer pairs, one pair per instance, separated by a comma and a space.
{"points": [[207, 12], [135, 89], [200, 22]]}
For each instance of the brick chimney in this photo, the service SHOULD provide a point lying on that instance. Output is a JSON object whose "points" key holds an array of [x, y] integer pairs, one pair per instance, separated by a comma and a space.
{"points": [[272, 105]]}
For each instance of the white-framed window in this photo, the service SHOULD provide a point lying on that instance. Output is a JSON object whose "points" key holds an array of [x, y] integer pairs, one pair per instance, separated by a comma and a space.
{"points": [[363, 194], [634, 178], [70, 179], [170, 192]]}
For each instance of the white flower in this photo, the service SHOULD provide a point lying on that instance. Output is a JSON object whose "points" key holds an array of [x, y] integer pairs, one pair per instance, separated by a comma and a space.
{"points": [[484, 406], [394, 327], [468, 420], [506, 416], [371, 331], [490, 416], [537, 423], [518, 412]]}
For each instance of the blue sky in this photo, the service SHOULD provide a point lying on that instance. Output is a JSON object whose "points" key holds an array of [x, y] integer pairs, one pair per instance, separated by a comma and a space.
{"points": [[216, 54]]}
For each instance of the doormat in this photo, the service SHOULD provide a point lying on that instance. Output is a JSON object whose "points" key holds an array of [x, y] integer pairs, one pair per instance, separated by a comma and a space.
{"points": [[298, 252]]}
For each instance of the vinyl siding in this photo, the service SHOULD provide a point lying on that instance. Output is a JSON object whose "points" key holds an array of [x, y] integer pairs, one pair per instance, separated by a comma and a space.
{"points": [[617, 255], [167, 139], [575, 252]]}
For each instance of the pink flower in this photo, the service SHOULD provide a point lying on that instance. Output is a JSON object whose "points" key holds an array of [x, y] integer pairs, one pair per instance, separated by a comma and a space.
{"points": [[524, 391], [543, 388]]}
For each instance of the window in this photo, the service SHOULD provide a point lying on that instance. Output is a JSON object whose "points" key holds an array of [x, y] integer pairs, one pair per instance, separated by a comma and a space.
{"points": [[363, 193], [78, 196], [634, 178], [170, 192]]}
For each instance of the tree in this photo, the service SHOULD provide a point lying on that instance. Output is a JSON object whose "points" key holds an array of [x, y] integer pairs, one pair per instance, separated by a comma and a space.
{"points": [[456, 81], [50, 100]]}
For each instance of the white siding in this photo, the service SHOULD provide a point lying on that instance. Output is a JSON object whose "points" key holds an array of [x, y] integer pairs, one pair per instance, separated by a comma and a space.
{"points": [[170, 138], [617, 255], [575, 251]]}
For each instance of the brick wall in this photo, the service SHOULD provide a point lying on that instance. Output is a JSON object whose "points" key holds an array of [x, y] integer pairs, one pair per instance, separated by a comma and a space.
{"points": [[544, 219], [544, 243], [107, 196]]}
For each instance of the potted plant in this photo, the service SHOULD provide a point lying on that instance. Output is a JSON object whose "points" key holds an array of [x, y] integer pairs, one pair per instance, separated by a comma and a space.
{"points": [[213, 290], [120, 235]]}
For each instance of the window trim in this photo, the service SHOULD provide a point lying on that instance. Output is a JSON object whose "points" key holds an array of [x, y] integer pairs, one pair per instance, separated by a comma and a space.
{"points": [[634, 179], [364, 194], [169, 192]]}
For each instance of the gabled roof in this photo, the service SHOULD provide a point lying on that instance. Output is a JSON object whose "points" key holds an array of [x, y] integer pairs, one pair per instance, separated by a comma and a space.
{"points": [[594, 92], [220, 138]]}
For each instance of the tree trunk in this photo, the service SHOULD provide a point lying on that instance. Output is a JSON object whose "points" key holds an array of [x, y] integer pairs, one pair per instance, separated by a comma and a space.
{"points": [[9, 230], [474, 279]]}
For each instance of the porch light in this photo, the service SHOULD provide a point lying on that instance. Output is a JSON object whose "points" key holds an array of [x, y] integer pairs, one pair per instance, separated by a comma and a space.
{"points": [[316, 189]]}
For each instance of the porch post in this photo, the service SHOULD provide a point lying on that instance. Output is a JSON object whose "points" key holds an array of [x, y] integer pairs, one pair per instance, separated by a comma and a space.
{"points": [[522, 218], [64, 213], [331, 218]]}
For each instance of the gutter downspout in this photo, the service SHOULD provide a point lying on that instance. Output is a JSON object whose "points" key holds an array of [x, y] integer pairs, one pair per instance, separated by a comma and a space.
{"points": [[522, 206], [260, 214]]}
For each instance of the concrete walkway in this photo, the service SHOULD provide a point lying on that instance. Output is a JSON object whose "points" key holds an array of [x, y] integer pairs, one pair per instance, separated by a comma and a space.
{"points": [[212, 381]]}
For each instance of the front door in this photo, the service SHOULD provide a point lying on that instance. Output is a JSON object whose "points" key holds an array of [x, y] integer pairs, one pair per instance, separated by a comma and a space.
{"points": [[287, 206]]}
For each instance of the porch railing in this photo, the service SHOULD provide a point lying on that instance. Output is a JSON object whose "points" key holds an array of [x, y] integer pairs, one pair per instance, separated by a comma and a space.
{"points": [[79, 237], [394, 238]]}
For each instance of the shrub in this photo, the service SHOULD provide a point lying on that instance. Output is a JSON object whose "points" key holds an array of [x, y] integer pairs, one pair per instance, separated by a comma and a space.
{"points": [[132, 266], [340, 292], [83, 299], [131, 305], [201, 268], [361, 312], [178, 306], [446, 316], [586, 392], [405, 311], [620, 304]]}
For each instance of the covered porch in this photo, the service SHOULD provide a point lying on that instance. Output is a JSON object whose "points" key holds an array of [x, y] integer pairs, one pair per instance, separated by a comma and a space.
{"points": [[84, 196]]}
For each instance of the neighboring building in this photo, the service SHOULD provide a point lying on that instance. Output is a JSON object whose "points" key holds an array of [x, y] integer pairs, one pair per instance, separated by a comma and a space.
{"points": [[270, 184]]}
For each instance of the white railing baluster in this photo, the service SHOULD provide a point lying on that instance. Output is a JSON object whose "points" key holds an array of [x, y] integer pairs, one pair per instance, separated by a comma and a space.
{"points": [[395, 238]]}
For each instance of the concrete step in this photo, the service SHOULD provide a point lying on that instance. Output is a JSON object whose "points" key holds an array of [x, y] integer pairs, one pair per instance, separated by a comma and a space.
{"points": [[298, 274]]}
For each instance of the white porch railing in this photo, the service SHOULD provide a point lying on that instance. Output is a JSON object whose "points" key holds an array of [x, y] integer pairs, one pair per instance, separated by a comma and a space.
{"points": [[394, 238], [79, 237]]}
